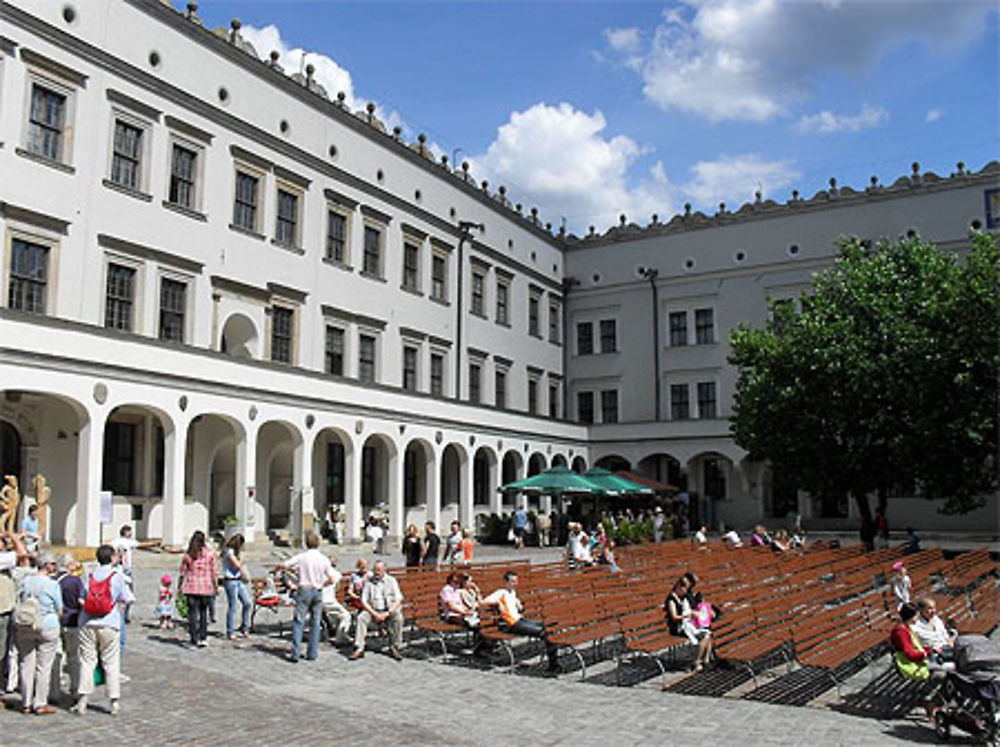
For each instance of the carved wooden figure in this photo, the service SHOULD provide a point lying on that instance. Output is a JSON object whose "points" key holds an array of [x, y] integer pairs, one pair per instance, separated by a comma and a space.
{"points": [[10, 499], [42, 495]]}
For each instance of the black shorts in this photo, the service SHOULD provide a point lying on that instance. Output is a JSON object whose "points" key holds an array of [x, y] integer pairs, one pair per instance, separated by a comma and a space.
{"points": [[518, 531]]}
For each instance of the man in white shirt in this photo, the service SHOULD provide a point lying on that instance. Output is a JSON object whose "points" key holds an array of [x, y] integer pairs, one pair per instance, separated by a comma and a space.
{"points": [[381, 604], [932, 632], [314, 573], [511, 621], [701, 536], [335, 614]]}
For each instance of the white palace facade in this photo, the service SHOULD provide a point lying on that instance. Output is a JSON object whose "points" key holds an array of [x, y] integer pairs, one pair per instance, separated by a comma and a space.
{"points": [[224, 294]]}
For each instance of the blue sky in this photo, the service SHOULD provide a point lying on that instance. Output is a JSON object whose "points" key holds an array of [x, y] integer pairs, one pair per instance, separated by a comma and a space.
{"points": [[591, 109]]}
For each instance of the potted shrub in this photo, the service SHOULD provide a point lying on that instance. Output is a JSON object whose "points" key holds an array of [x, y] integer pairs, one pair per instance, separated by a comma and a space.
{"points": [[231, 526]]}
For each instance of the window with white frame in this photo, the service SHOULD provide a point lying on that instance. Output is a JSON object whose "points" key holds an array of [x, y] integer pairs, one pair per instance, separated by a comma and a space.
{"points": [[533, 394], [120, 296], [706, 400], [680, 404], [286, 228], [585, 407], [609, 336], [437, 374], [173, 309], [609, 406], [584, 338], [554, 399], [411, 356], [337, 245], [28, 276], [439, 276], [500, 388], [704, 326], [373, 245], [367, 357], [503, 301], [678, 323], [185, 163], [475, 382], [334, 350], [127, 153], [48, 120], [282, 334], [534, 322], [246, 212], [411, 265], [478, 290], [555, 322]]}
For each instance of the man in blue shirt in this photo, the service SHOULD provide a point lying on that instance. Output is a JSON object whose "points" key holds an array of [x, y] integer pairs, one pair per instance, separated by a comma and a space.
{"points": [[520, 524]]}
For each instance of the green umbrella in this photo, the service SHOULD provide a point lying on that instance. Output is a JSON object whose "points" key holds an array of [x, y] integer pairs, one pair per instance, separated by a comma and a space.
{"points": [[555, 481], [613, 484]]}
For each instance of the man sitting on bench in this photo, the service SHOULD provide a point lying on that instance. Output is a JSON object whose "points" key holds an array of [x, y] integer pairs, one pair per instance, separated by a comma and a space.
{"points": [[510, 608]]}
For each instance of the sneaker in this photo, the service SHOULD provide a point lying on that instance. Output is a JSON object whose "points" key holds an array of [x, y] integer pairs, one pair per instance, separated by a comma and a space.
{"points": [[122, 677], [202, 644], [80, 708], [114, 708]]}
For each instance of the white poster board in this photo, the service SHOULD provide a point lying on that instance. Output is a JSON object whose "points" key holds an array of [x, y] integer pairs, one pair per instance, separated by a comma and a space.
{"points": [[107, 513]]}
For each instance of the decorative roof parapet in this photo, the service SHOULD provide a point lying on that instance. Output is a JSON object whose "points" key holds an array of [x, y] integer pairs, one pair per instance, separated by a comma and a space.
{"points": [[761, 208]]}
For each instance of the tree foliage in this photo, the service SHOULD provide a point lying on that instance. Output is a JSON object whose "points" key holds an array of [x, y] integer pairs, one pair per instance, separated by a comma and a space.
{"points": [[886, 380]]}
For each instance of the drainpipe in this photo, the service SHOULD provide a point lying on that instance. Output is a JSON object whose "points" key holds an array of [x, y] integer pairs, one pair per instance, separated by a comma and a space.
{"points": [[465, 227], [650, 274]]}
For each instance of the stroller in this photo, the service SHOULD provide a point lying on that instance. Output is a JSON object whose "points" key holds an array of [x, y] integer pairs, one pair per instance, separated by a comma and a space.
{"points": [[968, 698]]}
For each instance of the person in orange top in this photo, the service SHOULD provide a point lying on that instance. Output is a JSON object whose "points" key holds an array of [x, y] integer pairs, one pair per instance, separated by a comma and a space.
{"points": [[466, 546], [510, 608]]}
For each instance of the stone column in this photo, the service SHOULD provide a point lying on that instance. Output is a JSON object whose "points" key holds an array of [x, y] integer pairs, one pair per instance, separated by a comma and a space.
{"points": [[246, 479], [174, 453], [352, 492], [89, 458]]}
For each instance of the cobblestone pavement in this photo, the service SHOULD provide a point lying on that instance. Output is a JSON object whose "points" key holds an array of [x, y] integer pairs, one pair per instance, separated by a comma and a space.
{"points": [[246, 692]]}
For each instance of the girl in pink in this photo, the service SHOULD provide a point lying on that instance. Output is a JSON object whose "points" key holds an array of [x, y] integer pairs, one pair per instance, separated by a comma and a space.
{"points": [[165, 605]]}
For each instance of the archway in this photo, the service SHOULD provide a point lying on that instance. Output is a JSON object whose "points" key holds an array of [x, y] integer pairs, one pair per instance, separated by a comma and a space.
{"points": [[709, 478], [239, 337], [277, 442], [613, 463], [484, 477], [211, 467], [332, 451], [418, 481], [453, 465], [536, 464], [579, 465], [559, 461], [377, 458], [663, 468], [510, 472]]}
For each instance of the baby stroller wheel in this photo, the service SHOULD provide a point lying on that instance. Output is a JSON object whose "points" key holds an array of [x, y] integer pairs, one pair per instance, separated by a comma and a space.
{"points": [[941, 726]]}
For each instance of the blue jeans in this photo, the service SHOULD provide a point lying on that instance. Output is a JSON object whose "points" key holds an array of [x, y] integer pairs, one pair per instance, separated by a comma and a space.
{"points": [[237, 590], [308, 603]]}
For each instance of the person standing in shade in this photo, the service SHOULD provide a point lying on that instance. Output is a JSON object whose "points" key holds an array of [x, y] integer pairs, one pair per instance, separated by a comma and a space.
{"points": [[199, 583], [314, 572], [36, 633], [432, 545], [100, 622], [234, 579]]}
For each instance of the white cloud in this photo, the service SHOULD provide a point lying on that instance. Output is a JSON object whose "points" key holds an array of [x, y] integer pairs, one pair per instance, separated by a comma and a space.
{"points": [[735, 179], [624, 40], [933, 115], [827, 122], [559, 157], [754, 59]]}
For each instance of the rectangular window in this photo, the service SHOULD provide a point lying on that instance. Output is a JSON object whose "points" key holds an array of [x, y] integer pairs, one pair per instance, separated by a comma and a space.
{"points": [[282, 321], [532, 396], [29, 276], [411, 266], [437, 374], [554, 324], [335, 351], [533, 322], [609, 406], [678, 329], [500, 389], [503, 303], [336, 236], [475, 383], [584, 338], [409, 369], [680, 407], [478, 284], [706, 399], [373, 252], [245, 204], [585, 407], [120, 297], [119, 458], [704, 326], [609, 336], [366, 358], [46, 122], [126, 155], [553, 401], [182, 176], [286, 231], [173, 305], [439, 278]]}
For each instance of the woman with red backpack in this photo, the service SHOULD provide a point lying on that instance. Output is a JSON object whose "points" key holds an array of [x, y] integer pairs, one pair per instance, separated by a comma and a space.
{"points": [[100, 623]]}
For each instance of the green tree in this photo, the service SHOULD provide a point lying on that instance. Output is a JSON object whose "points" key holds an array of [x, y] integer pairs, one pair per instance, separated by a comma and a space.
{"points": [[887, 379]]}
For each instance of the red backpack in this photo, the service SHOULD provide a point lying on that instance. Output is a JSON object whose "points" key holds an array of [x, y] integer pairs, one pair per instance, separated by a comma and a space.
{"points": [[98, 602]]}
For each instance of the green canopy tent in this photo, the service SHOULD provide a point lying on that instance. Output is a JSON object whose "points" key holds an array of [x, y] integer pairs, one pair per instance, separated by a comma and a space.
{"points": [[613, 484], [557, 481]]}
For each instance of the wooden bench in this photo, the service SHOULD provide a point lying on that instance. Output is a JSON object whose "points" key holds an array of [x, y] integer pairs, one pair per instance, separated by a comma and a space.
{"points": [[645, 633]]}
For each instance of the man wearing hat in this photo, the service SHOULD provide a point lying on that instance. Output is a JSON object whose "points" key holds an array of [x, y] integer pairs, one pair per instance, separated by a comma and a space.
{"points": [[658, 521]]}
